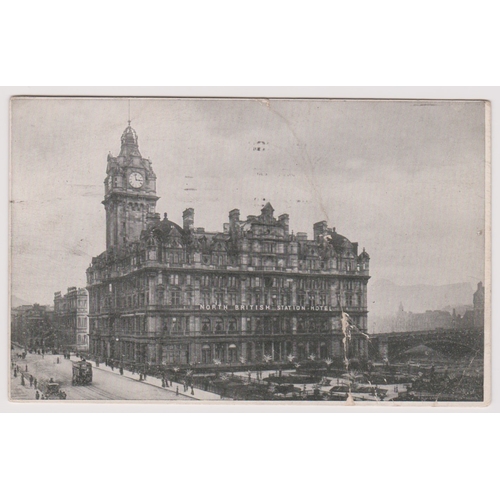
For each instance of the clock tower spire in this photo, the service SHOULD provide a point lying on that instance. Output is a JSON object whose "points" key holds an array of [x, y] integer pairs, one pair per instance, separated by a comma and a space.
{"points": [[129, 192]]}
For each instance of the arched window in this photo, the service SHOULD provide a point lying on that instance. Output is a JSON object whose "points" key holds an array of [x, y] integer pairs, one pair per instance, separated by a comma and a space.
{"points": [[275, 324], [232, 324], [258, 325], [205, 354], [205, 325], [174, 325], [301, 325], [219, 325]]}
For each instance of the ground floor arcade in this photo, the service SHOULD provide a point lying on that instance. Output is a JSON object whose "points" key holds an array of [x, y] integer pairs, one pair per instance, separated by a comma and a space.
{"points": [[224, 351]]}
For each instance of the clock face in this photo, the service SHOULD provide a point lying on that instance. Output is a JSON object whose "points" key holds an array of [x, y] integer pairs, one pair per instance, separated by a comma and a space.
{"points": [[136, 179]]}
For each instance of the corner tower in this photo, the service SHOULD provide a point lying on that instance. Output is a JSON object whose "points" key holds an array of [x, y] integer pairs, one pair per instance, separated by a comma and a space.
{"points": [[129, 192]]}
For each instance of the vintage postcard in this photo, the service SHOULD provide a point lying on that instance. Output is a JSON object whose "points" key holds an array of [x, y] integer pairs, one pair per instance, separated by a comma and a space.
{"points": [[324, 251]]}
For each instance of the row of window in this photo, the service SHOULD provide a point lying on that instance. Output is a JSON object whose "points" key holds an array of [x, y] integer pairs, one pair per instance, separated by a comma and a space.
{"points": [[221, 281], [180, 325], [221, 298]]}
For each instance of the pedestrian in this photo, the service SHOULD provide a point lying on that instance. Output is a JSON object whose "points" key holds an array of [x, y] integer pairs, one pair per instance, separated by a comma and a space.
{"points": [[192, 391], [22, 379], [26, 367], [177, 391], [121, 370], [163, 382], [37, 395], [58, 360], [140, 377], [31, 380], [15, 372], [35, 382]]}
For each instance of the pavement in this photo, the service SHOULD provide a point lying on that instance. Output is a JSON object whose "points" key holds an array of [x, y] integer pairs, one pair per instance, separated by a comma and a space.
{"points": [[196, 394], [105, 385]]}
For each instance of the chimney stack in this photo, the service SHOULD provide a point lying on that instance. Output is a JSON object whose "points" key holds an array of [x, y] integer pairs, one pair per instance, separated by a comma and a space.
{"points": [[284, 220], [319, 229]]}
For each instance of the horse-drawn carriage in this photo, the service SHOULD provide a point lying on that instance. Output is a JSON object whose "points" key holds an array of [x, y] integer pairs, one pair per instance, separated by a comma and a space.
{"points": [[52, 391]]}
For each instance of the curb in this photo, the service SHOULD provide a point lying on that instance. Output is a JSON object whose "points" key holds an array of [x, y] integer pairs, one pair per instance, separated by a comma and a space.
{"points": [[190, 396]]}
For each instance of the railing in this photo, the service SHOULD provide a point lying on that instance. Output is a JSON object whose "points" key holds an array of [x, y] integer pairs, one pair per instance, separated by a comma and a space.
{"points": [[255, 335], [197, 266]]}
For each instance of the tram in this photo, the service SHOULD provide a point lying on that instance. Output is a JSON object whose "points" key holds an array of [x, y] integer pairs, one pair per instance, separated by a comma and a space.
{"points": [[82, 373]]}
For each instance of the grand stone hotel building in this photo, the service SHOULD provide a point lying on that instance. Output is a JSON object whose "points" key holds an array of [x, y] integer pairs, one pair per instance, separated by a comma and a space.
{"points": [[165, 294]]}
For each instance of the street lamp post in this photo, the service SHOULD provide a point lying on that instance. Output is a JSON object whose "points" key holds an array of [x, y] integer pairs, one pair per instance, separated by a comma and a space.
{"points": [[120, 347]]}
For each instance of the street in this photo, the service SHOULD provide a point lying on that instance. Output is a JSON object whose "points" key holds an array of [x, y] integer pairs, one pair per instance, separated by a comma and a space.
{"points": [[105, 385]]}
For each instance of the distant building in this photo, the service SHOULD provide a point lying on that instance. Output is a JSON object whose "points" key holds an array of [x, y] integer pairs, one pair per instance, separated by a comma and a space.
{"points": [[32, 326], [165, 294], [429, 320], [403, 321], [478, 301], [71, 319]]}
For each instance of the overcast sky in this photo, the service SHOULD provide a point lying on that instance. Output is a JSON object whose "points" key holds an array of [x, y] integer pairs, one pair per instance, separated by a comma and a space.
{"points": [[403, 179]]}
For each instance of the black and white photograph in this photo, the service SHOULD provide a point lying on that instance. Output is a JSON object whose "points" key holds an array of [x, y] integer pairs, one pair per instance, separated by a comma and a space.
{"points": [[231, 250]]}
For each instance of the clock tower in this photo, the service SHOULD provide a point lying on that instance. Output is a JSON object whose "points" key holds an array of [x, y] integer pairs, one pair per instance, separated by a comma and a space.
{"points": [[130, 192]]}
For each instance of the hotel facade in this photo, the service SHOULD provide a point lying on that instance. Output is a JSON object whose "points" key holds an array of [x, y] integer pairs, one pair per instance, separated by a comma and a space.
{"points": [[255, 292]]}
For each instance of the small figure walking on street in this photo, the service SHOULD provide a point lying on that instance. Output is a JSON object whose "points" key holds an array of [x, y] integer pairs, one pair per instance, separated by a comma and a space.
{"points": [[31, 380], [140, 377], [177, 391], [37, 395], [35, 382], [22, 379], [192, 391], [26, 368], [58, 360], [15, 372]]}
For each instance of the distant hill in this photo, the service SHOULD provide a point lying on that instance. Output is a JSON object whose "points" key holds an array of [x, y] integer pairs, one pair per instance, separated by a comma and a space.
{"points": [[384, 297], [16, 301]]}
